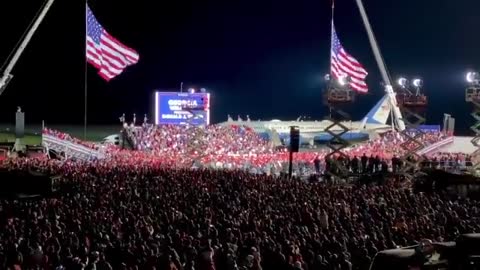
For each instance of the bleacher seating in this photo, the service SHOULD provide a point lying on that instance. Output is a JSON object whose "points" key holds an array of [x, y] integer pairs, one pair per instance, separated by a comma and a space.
{"points": [[71, 149]]}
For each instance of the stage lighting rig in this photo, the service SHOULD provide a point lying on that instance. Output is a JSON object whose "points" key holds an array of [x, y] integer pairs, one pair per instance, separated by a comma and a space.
{"points": [[402, 82], [473, 78], [339, 90], [409, 93], [472, 93], [343, 81], [417, 83]]}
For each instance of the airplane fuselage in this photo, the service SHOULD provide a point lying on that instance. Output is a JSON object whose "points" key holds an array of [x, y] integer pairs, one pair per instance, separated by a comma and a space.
{"points": [[310, 129]]}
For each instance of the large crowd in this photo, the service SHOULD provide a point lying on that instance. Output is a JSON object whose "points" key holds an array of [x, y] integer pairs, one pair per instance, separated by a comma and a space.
{"points": [[167, 206], [121, 215], [239, 147], [198, 142]]}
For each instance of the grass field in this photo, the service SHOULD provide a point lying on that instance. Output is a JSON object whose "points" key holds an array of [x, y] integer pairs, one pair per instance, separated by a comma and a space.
{"points": [[28, 139], [33, 133]]}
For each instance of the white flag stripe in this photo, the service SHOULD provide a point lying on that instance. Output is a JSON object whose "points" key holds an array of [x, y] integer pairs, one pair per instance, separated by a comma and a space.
{"points": [[343, 64], [339, 65]]}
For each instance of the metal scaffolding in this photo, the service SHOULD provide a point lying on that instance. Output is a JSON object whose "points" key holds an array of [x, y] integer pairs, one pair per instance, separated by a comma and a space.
{"points": [[414, 117], [472, 95], [337, 99]]}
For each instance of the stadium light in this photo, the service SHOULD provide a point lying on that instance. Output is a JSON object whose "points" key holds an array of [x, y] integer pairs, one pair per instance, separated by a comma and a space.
{"points": [[417, 83], [191, 90], [402, 82], [473, 77]]}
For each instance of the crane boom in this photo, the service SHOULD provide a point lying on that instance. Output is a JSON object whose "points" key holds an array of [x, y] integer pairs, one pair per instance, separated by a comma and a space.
{"points": [[6, 75], [397, 115]]}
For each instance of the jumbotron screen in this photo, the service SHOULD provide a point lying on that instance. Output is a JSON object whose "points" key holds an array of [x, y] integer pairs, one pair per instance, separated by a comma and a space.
{"points": [[174, 108]]}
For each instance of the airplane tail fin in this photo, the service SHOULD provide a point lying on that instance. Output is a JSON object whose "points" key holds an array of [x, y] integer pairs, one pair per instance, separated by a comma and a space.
{"points": [[379, 113]]}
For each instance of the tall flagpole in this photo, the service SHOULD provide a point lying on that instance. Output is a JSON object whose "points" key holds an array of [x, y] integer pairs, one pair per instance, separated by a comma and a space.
{"points": [[331, 37], [331, 53], [85, 76]]}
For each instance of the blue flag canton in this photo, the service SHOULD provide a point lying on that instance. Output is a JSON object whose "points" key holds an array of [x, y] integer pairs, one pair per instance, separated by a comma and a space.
{"points": [[336, 46], [94, 29]]}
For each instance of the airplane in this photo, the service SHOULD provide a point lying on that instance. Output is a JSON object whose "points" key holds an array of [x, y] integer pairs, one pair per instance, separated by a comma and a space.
{"points": [[374, 123]]}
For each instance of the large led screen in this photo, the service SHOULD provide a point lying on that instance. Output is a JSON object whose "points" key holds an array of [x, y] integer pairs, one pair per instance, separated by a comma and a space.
{"points": [[173, 108]]}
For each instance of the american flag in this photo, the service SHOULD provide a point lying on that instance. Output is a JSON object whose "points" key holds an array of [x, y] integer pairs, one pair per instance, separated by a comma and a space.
{"points": [[105, 52], [343, 64]]}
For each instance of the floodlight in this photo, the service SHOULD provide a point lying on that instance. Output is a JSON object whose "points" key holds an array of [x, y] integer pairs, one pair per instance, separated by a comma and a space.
{"points": [[402, 82], [327, 77], [343, 80], [191, 90], [417, 83], [472, 77]]}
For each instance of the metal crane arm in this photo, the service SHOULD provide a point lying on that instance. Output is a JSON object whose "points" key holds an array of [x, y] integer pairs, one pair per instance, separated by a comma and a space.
{"points": [[6, 74], [397, 115]]}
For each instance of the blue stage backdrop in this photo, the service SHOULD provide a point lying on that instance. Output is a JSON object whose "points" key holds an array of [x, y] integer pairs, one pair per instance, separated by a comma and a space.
{"points": [[174, 108]]}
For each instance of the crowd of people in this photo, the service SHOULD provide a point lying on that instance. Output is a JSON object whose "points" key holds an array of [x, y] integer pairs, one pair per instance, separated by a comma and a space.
{"points": [[166, 205], [122, 215], [239, 147], [211, 140], [448, 161]]}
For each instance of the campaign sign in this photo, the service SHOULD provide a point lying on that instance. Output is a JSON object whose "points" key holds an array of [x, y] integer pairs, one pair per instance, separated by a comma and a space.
{"points": [[173, 108]]}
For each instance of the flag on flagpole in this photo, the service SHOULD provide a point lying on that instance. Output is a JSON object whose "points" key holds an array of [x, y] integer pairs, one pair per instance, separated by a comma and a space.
{"points": [[343, 64], [105, 52]]}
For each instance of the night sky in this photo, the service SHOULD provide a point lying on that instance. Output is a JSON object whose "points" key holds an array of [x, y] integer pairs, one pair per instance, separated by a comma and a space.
{"points": [[262, 58]]}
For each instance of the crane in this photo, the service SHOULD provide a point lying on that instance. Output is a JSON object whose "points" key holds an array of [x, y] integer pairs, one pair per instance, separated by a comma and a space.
{"points": [[396, 113], [6, 74]]}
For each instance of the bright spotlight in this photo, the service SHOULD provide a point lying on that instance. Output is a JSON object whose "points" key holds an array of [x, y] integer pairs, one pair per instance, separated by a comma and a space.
{"points": [[327, 77], [343, 80], [417, 83], [402, 82], [191, 90], [472, 77]]}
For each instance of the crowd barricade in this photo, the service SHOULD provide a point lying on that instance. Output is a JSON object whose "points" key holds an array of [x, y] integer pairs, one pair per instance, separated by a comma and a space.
{"points": [[71, 149], [436, 146]]}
